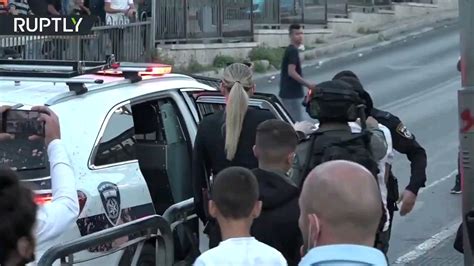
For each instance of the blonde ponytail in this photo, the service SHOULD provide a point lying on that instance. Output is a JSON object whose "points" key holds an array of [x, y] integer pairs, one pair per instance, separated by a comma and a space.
{"points": [[239, 77]]}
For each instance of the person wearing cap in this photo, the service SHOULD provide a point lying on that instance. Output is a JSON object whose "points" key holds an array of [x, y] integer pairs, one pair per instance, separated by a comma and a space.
{"points": [[404, 142]]}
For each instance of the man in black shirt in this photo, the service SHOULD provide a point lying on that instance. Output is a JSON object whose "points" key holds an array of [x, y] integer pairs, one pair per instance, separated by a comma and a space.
{"points": [[291, 78]]}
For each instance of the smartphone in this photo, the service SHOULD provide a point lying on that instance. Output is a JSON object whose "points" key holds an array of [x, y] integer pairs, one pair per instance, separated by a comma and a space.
{"points": [[22, 123], [23, 152]]}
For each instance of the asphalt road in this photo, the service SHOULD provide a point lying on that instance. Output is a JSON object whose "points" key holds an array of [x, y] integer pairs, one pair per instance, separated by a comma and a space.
{"points": [[417, 80]]}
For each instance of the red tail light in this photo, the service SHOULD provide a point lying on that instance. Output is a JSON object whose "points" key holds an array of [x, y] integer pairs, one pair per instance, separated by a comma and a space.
{"points": [[82, 200], [41, 199]]}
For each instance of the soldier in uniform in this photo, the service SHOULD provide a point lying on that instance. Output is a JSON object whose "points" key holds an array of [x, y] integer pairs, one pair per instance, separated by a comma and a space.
{"points": [[404, 142]]}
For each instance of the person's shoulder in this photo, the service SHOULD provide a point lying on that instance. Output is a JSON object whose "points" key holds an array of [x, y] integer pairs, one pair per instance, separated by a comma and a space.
{"points": [[267, 250], [209, 257], [261, 114], [212, 118], [272, 255], [386, 118]]}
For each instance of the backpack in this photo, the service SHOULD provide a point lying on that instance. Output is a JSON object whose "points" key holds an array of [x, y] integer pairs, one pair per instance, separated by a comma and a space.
{"points": [[328, 145], [335, 102]]}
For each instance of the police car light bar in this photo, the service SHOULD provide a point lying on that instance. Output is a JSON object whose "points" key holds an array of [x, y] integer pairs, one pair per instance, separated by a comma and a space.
{"points": [[140, 69], [51, 68], [54, 80]]}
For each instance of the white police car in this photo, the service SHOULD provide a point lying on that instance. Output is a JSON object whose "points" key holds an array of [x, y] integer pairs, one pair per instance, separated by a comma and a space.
{"points": [[129, 139]]}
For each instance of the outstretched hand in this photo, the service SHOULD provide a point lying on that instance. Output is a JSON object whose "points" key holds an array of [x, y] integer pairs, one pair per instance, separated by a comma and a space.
{"points": [[408, 200]]}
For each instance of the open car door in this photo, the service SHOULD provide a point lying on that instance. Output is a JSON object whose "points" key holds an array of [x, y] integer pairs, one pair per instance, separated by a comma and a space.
{"points": [[208, 102]]}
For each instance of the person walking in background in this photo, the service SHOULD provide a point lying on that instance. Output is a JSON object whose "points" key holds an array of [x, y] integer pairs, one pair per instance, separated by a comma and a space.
{"points": [[234, 203], [291, 77]]}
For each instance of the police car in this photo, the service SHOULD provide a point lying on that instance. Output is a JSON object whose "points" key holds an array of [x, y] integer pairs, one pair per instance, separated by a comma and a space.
{"points": [[129, 131]]}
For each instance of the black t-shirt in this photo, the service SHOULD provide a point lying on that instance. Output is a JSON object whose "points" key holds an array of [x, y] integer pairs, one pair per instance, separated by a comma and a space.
{"points": [[38, 7], [290, 88]]}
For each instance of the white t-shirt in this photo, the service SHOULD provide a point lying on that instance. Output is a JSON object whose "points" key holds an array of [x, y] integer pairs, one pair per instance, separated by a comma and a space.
{"points": [[387, 159], [243, 251], [119, 4], [118, 18]]}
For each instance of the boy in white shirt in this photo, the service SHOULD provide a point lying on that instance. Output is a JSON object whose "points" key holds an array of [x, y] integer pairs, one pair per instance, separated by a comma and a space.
{"points": [[234, 203]]}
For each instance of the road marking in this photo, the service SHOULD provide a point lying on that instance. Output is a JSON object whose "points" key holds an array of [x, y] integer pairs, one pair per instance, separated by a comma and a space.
{"points": [[438, 181], [432, 242]]}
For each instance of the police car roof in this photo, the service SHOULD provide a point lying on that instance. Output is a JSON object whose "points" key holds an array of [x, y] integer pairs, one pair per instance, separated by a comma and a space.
{"points": [[113, 90]]}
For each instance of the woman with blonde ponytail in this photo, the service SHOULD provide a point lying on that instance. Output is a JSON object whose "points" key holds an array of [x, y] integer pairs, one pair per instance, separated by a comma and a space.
{"points": [[226, 138]]}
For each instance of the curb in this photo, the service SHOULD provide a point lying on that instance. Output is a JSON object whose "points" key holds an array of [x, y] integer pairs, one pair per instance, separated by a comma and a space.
{"points": [[365, 43]]}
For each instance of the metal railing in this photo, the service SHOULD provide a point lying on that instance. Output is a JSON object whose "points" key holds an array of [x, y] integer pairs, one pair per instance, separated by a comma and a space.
{"points": [[415, 1], [338, 8], [291, 11], [152, 227], [180, 212], [129, 41], [274, 12], [199, 20], [370, 3], [180, 216]]}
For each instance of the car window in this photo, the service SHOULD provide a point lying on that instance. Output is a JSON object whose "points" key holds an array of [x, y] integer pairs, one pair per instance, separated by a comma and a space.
{"points": [[117, 144]]}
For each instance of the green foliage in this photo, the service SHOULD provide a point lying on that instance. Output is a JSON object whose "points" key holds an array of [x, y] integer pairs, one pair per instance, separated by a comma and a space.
{"points": [[259, 67], [222, 61], [273, 55]]}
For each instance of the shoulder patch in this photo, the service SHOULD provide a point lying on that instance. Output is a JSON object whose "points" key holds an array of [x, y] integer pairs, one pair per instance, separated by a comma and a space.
{"points": [[404, 132]]}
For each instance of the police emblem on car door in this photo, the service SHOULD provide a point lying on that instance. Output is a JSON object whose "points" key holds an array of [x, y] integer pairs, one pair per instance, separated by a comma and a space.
{"points": [[110, 196]]}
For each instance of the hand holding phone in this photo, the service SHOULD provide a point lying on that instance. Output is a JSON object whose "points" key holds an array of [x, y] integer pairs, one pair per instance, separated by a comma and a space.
{"points": [[19, 150], [3, 135], [51, 121]]}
